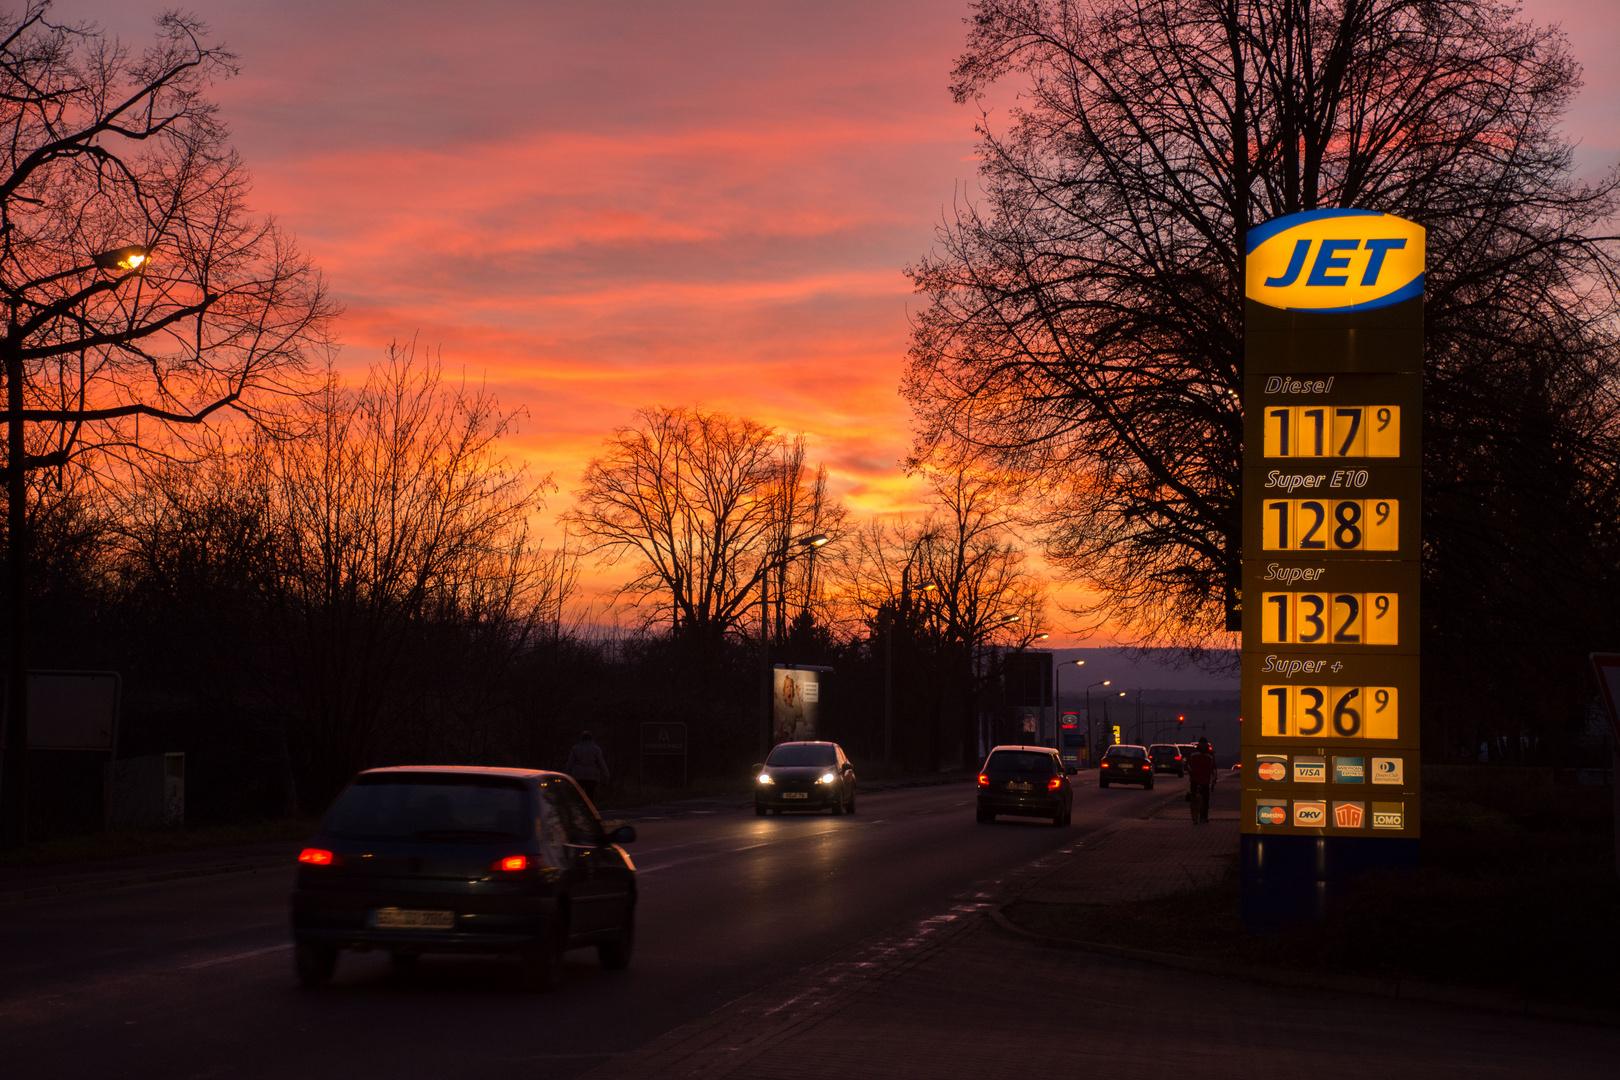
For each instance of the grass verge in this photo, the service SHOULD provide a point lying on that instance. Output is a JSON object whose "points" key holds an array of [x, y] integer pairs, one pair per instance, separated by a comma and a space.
{"points": [[1517, 894]]}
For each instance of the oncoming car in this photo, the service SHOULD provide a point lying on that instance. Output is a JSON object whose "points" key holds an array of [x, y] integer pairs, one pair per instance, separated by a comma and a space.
{"points": [[457, 859], [1125, 764], [1031, 781], [805, 776]]}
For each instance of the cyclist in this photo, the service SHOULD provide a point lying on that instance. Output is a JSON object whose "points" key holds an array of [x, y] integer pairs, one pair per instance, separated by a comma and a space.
{"points": [[1200, 776]]}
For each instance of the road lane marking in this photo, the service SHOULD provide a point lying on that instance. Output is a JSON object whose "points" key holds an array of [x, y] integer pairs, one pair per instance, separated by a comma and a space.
{"points": [[237, 956]]}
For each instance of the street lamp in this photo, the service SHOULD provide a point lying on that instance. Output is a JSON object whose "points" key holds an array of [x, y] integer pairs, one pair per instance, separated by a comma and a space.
{"points": [[1057, 706], [782, 558], [14, 781], [1090, 738]]}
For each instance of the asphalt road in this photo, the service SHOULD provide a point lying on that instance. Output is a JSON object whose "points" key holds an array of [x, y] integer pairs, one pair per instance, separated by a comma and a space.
{"points": [[193, 978]]}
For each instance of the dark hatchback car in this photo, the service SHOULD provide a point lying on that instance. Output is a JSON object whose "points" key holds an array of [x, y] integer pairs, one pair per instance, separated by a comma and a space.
{"points": [[805, 776], [1030, 781], [442, 859], [1125, 764], [1167, 758]]}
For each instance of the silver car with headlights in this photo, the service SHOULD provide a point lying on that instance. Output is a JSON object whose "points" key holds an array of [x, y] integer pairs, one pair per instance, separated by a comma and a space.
{"points": [[805, 776]]}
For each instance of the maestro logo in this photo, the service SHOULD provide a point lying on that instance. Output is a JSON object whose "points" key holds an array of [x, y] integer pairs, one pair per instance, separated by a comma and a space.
{"points": [[1334, 261], [1271, 813], [1271, 766]]}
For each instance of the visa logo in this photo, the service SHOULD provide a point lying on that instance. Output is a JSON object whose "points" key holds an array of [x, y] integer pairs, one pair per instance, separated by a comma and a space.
{"points": [[1334, 261]]}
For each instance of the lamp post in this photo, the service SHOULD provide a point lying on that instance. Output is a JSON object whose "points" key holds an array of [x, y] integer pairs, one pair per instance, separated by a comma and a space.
{"points": [[804, 543], [123, 261], [1057, 705], [1090, 738]]}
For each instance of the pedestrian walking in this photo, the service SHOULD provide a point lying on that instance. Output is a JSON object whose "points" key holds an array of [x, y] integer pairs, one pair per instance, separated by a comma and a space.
{"points": [[1200, 777], [586, 764]]}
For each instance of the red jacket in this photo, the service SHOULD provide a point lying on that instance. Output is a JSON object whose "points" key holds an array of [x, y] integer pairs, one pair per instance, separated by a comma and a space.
{"points": [[1201, 768]]}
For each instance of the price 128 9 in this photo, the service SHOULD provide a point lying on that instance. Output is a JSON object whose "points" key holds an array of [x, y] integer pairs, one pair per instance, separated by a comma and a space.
{"points": [[1331, 525], [1329, 712]]}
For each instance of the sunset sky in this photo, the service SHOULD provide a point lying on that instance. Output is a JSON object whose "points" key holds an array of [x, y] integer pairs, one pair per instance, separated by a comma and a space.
{"points": [[604, 204]]}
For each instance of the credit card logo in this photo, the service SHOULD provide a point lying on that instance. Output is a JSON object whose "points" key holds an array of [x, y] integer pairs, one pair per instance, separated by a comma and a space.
{"points": [[1310, 813], [1349, 815], [1310, 770], [1271, 813], [1388, 815], [1388, 770], [1349, 770], [1271, 766]]}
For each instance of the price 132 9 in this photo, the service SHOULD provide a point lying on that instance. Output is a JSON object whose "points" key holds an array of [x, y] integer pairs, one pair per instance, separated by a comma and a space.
{"points": [[1330, 618], [1333, 431], [1331, 525], [1329, 712]]}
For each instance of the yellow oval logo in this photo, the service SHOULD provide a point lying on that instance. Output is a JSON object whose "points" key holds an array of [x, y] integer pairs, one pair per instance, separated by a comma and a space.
{"points": [[1334, 260]]}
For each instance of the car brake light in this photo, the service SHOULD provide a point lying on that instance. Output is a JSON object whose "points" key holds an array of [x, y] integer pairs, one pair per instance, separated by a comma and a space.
{"points": [[1105, 764], [984, 780], [1052, 784], [512, 862], [315, 856]]}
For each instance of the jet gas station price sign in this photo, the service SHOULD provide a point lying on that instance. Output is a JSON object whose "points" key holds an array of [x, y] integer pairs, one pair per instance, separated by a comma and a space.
{"points": [[1332, 487]]}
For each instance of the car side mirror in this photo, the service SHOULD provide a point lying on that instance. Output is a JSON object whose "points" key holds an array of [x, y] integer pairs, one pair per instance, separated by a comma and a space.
{"points": [[624, 834]]}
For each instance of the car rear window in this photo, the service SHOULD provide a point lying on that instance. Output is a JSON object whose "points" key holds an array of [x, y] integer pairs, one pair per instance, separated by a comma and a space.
{"points": [[1020, 761], [433, 808], [1127, 752], [790, 754]]}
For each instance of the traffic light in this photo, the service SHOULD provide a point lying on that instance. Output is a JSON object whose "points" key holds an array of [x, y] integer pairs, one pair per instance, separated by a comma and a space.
{"points": [[1182, 719]]}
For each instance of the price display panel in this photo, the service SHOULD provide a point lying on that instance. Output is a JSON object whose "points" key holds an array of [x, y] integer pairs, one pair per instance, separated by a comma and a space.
{"points": [[1330, 618], [1366, 419], [1293, 512], [1332, 524], [1331, 605], [1335, 696], [1332, 431], [1329, 712]]}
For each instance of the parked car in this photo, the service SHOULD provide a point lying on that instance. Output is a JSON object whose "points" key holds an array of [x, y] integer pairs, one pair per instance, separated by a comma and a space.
{"points": [[1030, 781], [456, 859], [805, 776], [1167, 758], [1126, 764]]}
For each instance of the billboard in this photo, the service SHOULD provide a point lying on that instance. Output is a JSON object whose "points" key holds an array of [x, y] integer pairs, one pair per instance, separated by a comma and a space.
{"points": [[796, 701]]}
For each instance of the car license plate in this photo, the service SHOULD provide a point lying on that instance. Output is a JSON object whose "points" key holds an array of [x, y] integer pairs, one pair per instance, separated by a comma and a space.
{"points": [[394, 918], [795, 794], [1018, 786]]}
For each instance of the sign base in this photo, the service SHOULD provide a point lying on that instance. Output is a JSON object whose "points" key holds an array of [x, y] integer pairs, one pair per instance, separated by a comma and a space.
{"points": [[1289, 880]]}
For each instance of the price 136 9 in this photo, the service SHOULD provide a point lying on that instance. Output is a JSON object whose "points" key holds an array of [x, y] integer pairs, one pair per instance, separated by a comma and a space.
{"points": [[1330, 618], [1333, 431], [1332, 525], [1329, 712]]}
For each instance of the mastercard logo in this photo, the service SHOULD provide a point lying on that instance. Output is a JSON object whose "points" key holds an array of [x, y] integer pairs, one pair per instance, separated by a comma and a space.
{"points": [[1272, 771]]}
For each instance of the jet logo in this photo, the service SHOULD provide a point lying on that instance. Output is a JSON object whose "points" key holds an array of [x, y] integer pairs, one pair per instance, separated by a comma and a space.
{"points": [[1388, 770], [1271, 812], [1349, 770], [1310, 813], [1334, 260], [1349, 815], [1310, 770], [1388, 815], [1271, 766]]}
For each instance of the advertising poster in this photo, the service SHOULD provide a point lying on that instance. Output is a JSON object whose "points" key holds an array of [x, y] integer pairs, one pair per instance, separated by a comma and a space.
{"points": [[796, 702]]}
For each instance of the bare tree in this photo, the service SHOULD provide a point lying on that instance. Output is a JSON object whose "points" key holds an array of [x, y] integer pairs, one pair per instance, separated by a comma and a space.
{"points": [[1085, 324], [702, 504]]}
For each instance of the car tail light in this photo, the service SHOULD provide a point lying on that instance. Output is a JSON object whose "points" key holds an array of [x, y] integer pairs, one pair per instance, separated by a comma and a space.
{"points": [[1105, 764], [984, 779], [1052, 784], [512, 862], [314, 856]]}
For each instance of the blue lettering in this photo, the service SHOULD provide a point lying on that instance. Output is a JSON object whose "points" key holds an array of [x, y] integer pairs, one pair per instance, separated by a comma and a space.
{"points": [[1328, 258], [1375, 262], [1296, 263]]}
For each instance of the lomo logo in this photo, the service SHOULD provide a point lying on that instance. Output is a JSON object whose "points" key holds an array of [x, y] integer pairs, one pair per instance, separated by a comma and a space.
{"points": [[1272, 813], [1310, 814], [1334, 260], [1271, 766], [1388, 815]]}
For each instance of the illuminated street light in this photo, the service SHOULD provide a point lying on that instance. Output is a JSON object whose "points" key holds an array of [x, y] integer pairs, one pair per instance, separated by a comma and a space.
{"points": [[124, 258]]}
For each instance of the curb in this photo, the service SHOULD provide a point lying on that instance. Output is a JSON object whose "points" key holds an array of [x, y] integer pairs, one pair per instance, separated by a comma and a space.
{"points": [[1400, 989], [71, 888]]}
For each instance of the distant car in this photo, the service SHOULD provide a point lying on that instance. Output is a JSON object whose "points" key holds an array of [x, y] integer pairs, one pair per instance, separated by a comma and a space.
{"points": [[1125, 764], [1029, 781], [456, 859], [805, 776], [1167, 757]]}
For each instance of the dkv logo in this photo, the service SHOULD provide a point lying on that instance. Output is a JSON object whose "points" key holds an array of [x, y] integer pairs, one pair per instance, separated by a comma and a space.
{"points": [[1334, 261]]}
